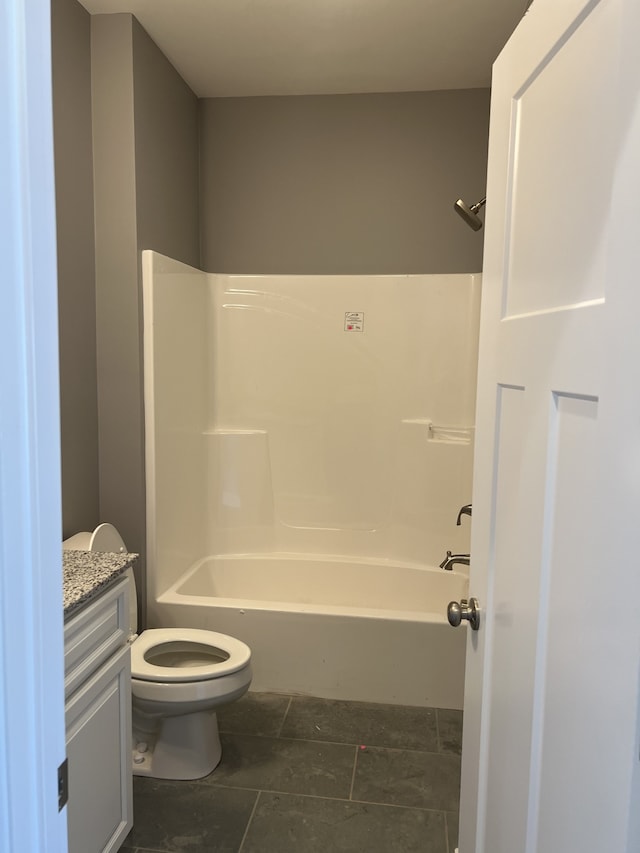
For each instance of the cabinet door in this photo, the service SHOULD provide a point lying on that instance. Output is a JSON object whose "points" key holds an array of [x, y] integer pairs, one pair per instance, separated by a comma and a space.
{"points": [[98, 721]]}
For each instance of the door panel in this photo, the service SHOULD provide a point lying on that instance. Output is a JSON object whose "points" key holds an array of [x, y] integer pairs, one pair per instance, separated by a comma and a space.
{"points": [[558, 260], [570, 668], [550, 750], [513, 650]]}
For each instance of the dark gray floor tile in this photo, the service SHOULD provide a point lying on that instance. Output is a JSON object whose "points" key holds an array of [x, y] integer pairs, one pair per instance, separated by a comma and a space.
{"points": [[284, 823], [294, 766], [452, 830], [188, 817], [422, 779], [365, 723], [450, 730], [142, 850], [254, 714]]}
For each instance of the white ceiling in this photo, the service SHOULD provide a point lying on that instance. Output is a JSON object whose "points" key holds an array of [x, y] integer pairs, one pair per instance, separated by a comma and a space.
{"points": [[225, 48]]}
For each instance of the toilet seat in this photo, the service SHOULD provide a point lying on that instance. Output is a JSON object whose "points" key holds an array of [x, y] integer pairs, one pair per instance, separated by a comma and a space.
{"points": [[151, 642]]}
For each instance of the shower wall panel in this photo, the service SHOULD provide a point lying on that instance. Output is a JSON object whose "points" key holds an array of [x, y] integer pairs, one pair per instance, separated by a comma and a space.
{"points": [[239, 504], [307, 414], [364, 390], [176, 378]]}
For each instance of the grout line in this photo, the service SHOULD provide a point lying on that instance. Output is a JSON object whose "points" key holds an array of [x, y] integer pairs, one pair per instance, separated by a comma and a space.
{"points": [[243, 788], [353, 775], [145, 850], [246, 830], [396, 806], [369, 746], [438, 730], [446, 833], [333, 799], [284, 719], [339, 743]]}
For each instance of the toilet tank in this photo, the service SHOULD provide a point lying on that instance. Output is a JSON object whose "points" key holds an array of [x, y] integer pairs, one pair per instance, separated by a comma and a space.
{"points": [[107, 539]]}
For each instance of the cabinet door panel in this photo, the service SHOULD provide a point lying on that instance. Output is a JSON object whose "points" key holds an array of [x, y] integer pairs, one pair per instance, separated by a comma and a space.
{"points": [[98, 720]]}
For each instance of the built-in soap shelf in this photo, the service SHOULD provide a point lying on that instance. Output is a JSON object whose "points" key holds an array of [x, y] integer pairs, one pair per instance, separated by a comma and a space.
{"points": [[443, 433]]}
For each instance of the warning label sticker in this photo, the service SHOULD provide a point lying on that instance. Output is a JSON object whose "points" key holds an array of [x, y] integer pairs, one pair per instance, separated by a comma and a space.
{"points": [[354, 321]]}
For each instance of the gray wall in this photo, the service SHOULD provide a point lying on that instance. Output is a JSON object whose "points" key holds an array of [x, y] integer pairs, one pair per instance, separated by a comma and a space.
{"points": [[117, 291], [342, 184], [166, 154], [145, 135], [71, 65]]}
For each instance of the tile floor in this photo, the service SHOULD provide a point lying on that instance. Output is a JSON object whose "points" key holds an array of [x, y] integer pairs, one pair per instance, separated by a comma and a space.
{"points": [[305, 775]]}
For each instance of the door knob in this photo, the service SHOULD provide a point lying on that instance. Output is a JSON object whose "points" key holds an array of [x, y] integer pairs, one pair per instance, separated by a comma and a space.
{"points": [[469, 610]]}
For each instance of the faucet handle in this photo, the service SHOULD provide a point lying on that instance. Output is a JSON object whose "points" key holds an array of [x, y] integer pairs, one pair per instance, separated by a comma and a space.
{"points": [[465, 510]]}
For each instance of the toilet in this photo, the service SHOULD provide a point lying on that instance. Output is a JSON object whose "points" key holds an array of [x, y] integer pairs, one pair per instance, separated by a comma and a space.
{"points": [[179, 676]]}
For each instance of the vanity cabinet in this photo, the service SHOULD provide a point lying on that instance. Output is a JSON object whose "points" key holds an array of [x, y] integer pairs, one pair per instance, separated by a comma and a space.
{"points": [[98, 722]]}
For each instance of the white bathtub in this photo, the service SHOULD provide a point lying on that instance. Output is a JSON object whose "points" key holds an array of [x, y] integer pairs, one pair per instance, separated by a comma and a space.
{"points": [[331, 626]]}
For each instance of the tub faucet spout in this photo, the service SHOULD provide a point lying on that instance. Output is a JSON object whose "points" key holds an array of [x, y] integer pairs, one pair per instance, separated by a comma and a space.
{"points": [[454, 559], [465, 510]]}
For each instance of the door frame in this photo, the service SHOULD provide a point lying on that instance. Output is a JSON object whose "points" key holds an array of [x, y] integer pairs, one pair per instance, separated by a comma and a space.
{"points": [[32, 737]]}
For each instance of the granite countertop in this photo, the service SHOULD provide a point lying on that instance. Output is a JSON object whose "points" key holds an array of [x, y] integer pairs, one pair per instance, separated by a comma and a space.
{"points": [[87, 573]]}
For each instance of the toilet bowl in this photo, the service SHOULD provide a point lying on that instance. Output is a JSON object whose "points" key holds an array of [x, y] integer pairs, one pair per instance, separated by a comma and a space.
{"points": [[178, 677]]}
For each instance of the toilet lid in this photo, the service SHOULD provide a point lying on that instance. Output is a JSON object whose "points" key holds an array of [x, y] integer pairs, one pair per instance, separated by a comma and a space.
{"points": [[186, 654]]}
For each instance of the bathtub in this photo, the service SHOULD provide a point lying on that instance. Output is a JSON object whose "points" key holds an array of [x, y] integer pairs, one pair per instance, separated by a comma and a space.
{"points": [[333, 627]]}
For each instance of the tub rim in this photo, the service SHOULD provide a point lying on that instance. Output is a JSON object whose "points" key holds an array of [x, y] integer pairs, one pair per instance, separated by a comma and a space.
{"points": [[172, 595]]}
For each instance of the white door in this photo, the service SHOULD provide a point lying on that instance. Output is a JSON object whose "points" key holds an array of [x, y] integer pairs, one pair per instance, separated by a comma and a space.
{"points": [[32, 745], [550, 751]]}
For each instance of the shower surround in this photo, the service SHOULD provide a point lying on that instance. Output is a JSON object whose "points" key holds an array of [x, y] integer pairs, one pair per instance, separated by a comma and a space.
{"points": [[308, 445]]}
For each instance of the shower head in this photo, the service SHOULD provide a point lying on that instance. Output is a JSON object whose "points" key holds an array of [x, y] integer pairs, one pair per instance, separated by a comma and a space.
{"points": [[470, 214]]}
